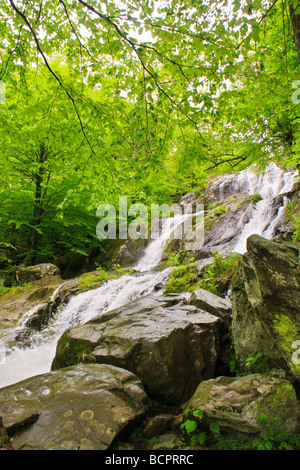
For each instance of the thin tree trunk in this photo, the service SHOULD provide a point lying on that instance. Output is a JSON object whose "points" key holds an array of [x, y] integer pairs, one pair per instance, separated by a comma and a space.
{"points": [[295, 20], [38, 209]]}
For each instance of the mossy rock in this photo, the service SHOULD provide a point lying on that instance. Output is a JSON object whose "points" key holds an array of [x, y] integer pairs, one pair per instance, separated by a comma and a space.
{"points": [[250, 405], [266, 304]]}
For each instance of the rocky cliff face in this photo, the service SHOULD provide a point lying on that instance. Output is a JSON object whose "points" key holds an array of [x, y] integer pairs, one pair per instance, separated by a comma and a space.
{"points": [[266, 304]]}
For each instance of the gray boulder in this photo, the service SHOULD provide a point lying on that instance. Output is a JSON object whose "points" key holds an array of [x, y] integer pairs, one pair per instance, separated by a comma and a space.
{"points": [[247, 405], [36, 272], [83, 407], [169, 345]]}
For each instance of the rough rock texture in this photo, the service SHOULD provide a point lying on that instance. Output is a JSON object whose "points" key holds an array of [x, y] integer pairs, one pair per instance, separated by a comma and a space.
{"points": [[129, 252], [169, 345], [220, 227], [266, 303], [211, 303], [238, 403], [5, 443], [33, 273], [19, 300], [189, 202], [84, 407], [219, 188], [292, 208], [221, 231], [158, 425]]}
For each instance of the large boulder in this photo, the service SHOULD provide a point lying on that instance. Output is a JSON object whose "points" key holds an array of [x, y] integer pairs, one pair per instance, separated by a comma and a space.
{"points": [[266, 304], [83, 407], [36, 272], [248, 404], [169, 345]]}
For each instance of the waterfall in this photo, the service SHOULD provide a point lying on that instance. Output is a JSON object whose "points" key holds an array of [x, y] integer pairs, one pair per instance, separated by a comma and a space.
{"points": [[266, 215], [23, 362], [18, 363]]}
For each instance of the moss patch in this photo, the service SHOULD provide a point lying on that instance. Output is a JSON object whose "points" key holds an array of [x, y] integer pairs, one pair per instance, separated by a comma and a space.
{"points": [[288, 332]]}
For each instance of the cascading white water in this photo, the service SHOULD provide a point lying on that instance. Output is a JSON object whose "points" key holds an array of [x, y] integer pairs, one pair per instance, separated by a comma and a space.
{"points": [[273, 182], [21, 363]]}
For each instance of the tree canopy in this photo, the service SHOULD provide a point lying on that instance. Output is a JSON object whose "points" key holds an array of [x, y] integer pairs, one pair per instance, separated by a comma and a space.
{"points": [[146, 99]]}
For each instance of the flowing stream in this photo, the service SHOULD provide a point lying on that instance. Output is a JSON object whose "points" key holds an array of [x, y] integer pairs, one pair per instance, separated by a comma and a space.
{"points": [[19, 363]]}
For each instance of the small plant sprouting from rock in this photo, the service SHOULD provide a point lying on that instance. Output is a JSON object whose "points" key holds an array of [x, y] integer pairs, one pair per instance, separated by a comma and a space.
{"points": [[191, 428], [219, 211], [256, 198], [255, 362], [214, 277]]}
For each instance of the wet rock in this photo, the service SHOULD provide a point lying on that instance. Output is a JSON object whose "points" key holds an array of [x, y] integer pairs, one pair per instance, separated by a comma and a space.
{"points": [[211, 303], [129, 252], [220, 188], [266, 304], [224, 224], [237, 404], [22, 299], [222, 227], [83, 407], [169, 345]]}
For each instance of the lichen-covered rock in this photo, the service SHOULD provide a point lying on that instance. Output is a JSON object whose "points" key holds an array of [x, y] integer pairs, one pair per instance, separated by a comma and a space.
{"points": [[33, 273], [83, 407], [266, 304], [169, 345], [247, 404]]}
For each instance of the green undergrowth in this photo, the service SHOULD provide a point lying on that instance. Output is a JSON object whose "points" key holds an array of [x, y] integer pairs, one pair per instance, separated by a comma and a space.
{"points": [[195, 433], [14, 289], [256, 198], [215, 277], [96, 278]]}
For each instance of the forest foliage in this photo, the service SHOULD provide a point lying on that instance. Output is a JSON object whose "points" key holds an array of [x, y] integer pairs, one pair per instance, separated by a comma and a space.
{"points": [[140, 98]]}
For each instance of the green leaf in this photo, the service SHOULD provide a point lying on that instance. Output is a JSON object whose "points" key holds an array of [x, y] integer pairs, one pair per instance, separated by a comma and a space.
{"points": [[214, 427], [189, 426], [202, 438], [198, 413]]}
